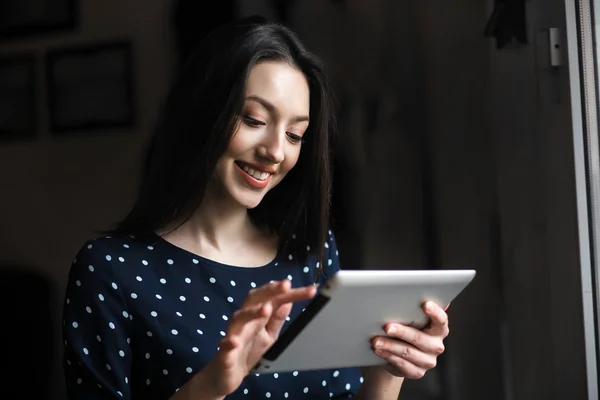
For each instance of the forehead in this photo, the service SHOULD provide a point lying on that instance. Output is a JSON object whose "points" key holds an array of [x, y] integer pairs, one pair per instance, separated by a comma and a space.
{"points": [[282, 85]]}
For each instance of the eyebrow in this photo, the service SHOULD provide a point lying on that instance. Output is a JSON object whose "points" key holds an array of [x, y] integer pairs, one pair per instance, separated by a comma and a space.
{"points": [[271, 108]]}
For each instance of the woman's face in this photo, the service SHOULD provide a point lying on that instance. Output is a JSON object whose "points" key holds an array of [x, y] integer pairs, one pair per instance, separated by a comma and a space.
{"points": [[267, 142]]}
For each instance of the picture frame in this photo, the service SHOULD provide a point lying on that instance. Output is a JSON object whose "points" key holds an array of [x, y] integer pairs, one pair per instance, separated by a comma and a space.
{"points": [[20, 18], [90, 88], [18, 97]]}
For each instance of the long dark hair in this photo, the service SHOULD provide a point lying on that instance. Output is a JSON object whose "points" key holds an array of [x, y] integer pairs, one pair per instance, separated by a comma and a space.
{"points": [[199, 118]]}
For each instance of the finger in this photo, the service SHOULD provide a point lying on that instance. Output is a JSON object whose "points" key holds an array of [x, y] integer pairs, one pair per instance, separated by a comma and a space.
{"points": [[439, 320], [400, 367], [406, 352], [422, 340], [278, 319], [282, 291], [246, 322]]}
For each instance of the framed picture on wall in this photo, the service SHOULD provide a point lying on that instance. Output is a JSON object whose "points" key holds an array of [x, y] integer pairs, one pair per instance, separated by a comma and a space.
{"points": [[31, 17], [90, 88], [18, 106]]}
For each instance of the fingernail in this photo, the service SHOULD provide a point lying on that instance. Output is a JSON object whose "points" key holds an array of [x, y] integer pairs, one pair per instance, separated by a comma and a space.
{"points": [[429, 307], [378, 344], [391, 330]]}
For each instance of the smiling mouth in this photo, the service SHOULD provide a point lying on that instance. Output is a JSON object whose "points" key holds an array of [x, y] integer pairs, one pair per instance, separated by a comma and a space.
{"points": [[254, 173]]}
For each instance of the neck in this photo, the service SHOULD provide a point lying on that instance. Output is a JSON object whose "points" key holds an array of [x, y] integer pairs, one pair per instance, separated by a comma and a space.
{"points": [[217, 223]]}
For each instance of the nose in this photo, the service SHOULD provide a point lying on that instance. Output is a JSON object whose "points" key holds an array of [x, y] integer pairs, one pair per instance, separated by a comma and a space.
{"points": [[272, 147]]}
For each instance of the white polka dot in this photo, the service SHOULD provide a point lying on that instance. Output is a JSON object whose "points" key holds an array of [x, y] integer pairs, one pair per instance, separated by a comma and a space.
{"points": [[222, 333], [147, 356], [91, 268], [347, 386], [163, 280], [169, 351], [245, 391], [170, 262], [114, 285], [75, 324], [78, 283], [154, 313], [125, 314], [188, 280], [98, 338], [89, 246], [101, 297], [290, 277], [293, 236], [329, 262], [158, 296], [138, 278], [206, 298], [195, 261], [121, 259], [108, 257], [326, 245], [337, 253], [286, 395], [212, 280], [111, 325], [68, 362], [182, 298], [133, 296], [147, 382], [324, 383], [275, 375], [288, 318], [336, 374], [202, 316], [232, 283], [361, 380], [121, 353], [179, 314], [89, 310], [165, 372], [108, 367], [225, 318], [253, 284], [128, 340], [85, 351], [195, 349], [188, 370], [230, 299], [79, 381], [119, 392], [126, 246], [295, 373], [305, 390], [144, 262], [126, 380], [200, 332], [174, 331], [149, 334], [307, 248], [290, 257], [68, 301], [317, 265], [268, 395], [305, 270], [150, 248]]}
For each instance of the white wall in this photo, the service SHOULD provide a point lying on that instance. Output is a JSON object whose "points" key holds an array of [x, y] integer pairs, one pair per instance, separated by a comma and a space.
{"points": [[55, 192]]}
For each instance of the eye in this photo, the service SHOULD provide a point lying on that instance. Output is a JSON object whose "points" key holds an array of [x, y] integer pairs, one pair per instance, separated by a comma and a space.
{"points": [[251, 122], [294, 139]]}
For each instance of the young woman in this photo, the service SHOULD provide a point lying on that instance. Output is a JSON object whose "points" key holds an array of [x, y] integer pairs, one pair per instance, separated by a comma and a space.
{"points": [[225, 242]]}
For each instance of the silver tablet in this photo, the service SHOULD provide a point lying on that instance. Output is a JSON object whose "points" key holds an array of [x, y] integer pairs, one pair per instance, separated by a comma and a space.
{"points": [[336, 327]]}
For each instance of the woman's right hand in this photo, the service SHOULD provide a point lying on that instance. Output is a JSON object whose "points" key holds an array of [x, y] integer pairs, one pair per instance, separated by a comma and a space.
{"points": [[251, 332]]}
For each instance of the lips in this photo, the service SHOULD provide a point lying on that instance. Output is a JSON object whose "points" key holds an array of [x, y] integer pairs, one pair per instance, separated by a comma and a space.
{"points": [[254, 171], [254, 177]]}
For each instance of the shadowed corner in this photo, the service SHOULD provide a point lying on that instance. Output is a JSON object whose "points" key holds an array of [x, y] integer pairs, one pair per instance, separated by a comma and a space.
{"points": [[26, 299]]}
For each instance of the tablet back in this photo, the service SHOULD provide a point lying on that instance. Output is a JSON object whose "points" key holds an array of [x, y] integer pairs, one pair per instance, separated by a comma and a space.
{"points": [[336, 328]]}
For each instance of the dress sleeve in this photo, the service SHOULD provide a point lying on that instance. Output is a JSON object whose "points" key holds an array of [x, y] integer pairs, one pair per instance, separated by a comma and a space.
{"points": [[346, 382], [96, 328]]}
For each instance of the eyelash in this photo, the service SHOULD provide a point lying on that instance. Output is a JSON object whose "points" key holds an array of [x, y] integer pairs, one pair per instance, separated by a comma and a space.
{"points": [[253, 123]]}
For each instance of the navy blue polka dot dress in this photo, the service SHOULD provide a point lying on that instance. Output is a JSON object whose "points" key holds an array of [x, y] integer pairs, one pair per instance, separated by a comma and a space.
{"points": [[142, 316]]}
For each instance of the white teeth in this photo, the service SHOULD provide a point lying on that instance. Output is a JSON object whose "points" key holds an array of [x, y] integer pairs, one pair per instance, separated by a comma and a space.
{"points": [[256, 174]]}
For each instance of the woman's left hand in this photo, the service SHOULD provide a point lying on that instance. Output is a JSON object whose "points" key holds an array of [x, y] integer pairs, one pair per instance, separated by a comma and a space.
{"points": [[411, 352]]}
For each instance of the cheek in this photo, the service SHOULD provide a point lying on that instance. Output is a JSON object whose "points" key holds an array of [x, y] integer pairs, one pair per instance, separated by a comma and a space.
{"points": [[291, 159]]}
